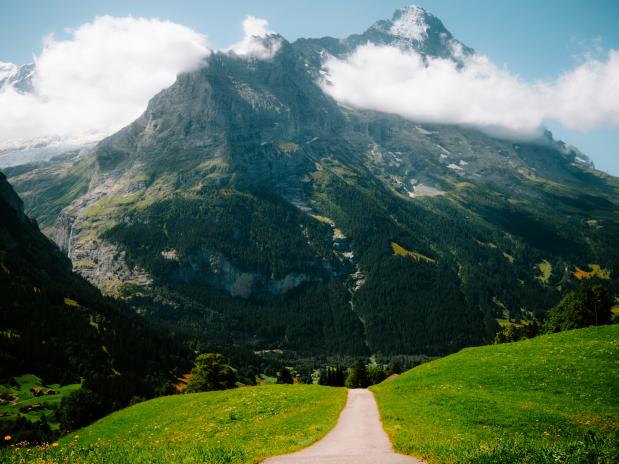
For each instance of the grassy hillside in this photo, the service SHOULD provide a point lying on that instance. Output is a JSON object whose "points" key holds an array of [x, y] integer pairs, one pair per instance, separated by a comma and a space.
{"points": [[28, 396], [532, 401], [233, 426]]}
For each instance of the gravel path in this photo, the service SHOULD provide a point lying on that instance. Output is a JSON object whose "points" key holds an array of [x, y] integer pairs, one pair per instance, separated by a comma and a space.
{"points": [[358, 438]]}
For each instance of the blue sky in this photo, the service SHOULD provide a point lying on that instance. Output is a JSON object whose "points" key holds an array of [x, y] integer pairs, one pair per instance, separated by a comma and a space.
{"points": [[537, 40]]}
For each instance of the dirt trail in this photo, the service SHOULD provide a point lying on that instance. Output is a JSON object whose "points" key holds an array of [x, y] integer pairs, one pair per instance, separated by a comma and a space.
{"points": [[358, 438]]}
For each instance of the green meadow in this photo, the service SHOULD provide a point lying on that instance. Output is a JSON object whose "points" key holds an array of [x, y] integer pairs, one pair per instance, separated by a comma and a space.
{"points": [[554, 398], [244, 425]]}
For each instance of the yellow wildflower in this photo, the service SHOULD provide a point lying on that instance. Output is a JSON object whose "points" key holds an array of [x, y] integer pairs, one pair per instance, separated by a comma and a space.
{"points": [[55, 444], [7, 437]]}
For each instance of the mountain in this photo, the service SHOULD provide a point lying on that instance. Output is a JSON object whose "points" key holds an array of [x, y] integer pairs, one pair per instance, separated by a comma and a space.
{"points": [[56, 325], [411, 28], [246, 207], [18, 77]]}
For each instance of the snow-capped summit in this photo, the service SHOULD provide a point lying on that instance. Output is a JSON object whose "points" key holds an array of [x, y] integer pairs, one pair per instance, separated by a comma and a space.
{"points": [[413, 28], [410, 23]]}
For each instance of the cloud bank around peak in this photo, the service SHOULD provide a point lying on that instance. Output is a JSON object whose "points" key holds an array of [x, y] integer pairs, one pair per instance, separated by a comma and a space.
{"points": [[100, 79], [478, 93], [255, 42]]}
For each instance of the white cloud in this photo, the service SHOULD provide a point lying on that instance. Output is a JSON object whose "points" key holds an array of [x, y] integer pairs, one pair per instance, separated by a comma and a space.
{"points": [[479, 93], [100, 79], [587, 97], [256, 42]]}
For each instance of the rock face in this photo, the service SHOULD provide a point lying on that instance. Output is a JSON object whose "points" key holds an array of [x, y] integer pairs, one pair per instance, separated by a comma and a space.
{"points": [[231, 116], [245, 191], [63, 231], [213, 268], [8, 195], [103, 264], [53, 323], [411, 28]]}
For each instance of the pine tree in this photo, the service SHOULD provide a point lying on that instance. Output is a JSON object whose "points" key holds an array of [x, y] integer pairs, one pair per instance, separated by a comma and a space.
{"points": [[358, 376]]}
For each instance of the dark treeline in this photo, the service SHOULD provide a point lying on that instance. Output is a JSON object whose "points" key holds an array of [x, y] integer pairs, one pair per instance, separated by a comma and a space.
{"points": [[585, 306]]}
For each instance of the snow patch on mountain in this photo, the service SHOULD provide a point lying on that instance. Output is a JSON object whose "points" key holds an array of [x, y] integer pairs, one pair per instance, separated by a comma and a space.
{"points": [[44, 149], [7, 70], [16, 77], [410, 23]]}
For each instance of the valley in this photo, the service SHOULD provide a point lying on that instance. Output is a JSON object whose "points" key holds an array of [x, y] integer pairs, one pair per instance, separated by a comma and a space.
{"points": [[222, 279], [552, 397]]}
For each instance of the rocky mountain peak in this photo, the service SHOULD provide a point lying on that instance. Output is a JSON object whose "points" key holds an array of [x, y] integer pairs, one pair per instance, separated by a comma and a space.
{"points": [[412, 28], [258, 46], [410, 23]]}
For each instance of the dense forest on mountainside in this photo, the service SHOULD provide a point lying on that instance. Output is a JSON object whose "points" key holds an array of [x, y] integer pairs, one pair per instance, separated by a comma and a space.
{"points": [[246, 207]]}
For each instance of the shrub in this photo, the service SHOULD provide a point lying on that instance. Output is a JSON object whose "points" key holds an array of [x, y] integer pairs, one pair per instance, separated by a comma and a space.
{"points": [[211, 373], [284, 376], [78, 409], [583, 307], [358, 376], [514, 333], [376, 374]]}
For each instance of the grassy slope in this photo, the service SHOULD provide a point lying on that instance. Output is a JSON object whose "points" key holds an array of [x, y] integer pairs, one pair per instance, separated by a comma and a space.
{"points": [[235, 426], [537, 391]]}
